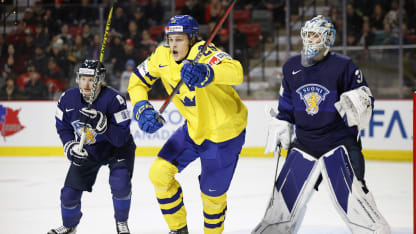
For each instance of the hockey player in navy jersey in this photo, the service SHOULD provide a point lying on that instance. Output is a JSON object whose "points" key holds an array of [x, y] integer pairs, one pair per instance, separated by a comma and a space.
{"points": [[325, 98], [108, 142]]}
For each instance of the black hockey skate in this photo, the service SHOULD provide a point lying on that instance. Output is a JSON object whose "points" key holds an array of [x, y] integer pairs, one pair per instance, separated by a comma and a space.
{"points": [[63, 230], [122, 228], [183, 230]]}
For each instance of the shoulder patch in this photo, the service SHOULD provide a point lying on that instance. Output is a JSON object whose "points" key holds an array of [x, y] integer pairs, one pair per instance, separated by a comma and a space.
{"points": [[122, 116], [59, 113], [143, 68], [218, 57], [120, 99]]}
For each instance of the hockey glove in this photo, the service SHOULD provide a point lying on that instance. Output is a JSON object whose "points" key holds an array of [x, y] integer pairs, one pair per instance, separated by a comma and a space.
{"points": [[279, 132], [76, 156], [199, 75], [94, 119], [149, 119], [355, 107]]}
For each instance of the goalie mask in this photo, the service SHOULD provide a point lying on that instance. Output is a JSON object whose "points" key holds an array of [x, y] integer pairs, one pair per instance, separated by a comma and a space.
{"points": [[318, 36], [183, 24], [86, 79]]}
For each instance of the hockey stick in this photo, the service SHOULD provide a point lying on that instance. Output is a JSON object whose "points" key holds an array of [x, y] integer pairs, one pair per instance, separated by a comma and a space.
{"points": [[94, 86], [198, 56], [276, 154]]}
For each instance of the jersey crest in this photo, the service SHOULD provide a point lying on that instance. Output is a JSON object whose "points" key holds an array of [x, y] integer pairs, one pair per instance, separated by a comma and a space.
{"points": [[90, 134], [312, 95]]}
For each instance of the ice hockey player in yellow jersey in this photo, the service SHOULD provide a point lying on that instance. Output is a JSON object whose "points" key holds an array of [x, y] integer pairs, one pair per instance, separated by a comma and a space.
{"points": [[214, 130]]}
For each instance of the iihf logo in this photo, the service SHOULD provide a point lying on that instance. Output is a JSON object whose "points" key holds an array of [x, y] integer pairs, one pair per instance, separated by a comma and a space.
{"points": [[312, 95]]}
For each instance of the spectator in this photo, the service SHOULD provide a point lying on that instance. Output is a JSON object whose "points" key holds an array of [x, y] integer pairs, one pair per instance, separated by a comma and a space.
{"points": [[65, 36], [51, 24], [154, 12], [78, 51], [367, 37], [35, 88], [28, 18], [87, 34], [40, 61], [354, 22], [86, 14], [134, 33], [129, 52], [213, 10], [195, 9], [27, 48], [146, 44], [10, 91], [125, 76], [119, 21], [392, 16], [140, 19], [376, 20], [58, 52], [13, 61], [130, 7], [40, 37]]}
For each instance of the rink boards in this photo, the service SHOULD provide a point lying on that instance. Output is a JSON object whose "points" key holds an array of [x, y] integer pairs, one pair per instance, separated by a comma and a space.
{"points": [[28, 128]]}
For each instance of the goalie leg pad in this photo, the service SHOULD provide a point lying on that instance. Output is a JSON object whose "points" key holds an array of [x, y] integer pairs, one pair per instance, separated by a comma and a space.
{"points": [[356, 207], [292, 191]]}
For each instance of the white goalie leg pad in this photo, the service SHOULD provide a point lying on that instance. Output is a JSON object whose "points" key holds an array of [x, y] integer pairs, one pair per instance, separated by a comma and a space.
{"points": [[293, 188], [356, 208]]}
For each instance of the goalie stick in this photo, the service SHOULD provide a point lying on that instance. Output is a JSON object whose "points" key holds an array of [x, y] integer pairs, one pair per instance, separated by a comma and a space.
{"points": [[94, 86], [198, 56]]}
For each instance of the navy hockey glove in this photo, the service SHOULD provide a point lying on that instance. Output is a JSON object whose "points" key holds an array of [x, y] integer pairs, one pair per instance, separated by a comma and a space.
{"points": [[149, 119], [76, 156], [93, 119], [199, 75]]}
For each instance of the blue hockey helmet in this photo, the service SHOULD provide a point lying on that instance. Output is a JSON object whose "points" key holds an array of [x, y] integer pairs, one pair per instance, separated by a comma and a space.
{"points": [[318, 36], [183, 24]]}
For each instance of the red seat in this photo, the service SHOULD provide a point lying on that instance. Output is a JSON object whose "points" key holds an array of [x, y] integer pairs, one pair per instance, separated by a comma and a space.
{"points": [[241, 16], [75, 31], [180, 4], [156, 30], [252, 31]]}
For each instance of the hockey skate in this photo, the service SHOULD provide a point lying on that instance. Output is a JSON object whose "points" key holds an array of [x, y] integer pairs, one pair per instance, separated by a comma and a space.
{"points": [[183, 230], [63, 230], [122, 228]]}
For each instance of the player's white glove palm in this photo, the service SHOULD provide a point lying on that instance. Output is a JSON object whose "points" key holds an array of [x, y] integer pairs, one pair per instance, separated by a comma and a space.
{"points": [[93, 119], [74, 154], [355, 108], [279, 132]]}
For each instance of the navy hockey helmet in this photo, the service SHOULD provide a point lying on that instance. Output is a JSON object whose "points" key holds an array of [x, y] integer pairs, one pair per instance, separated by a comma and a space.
{"points": [[318, 36], [88, 68], [183, 24]]}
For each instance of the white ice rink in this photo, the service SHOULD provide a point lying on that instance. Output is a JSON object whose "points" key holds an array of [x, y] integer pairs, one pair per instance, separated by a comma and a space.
{"points": [[30, 189]]}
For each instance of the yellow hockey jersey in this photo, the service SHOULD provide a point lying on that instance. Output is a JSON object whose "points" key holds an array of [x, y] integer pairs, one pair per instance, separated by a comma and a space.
{"points": [[214, 112]]}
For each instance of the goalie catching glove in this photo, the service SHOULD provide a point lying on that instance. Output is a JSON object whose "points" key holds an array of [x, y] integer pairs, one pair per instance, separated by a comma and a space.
{"points": [[279, 132], [355, 107], [199, 74], [74, 154], [149, 119], [94, 119]]}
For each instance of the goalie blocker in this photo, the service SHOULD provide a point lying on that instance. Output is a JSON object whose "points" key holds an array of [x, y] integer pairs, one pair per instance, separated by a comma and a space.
{"points": [[295, 184]]}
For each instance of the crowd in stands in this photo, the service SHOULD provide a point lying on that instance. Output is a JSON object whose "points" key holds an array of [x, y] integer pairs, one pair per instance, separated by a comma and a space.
{"points": [[38, 57]]}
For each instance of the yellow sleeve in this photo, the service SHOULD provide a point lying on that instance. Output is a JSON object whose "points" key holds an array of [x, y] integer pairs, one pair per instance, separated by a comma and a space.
{"points": [[143, 78], [227, 71]]}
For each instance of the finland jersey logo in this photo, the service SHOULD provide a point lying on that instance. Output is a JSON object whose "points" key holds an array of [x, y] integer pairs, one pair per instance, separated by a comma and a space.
{"points": [[90, 133], [312, 95]]}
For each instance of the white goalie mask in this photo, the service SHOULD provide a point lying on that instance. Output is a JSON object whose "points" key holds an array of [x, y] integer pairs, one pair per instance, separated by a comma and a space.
{"points": [[318, 36]]}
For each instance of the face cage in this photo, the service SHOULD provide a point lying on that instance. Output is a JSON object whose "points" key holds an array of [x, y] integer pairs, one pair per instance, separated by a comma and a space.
{"points": [[326, 41]]}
